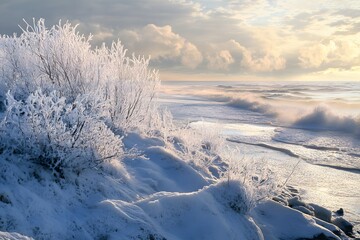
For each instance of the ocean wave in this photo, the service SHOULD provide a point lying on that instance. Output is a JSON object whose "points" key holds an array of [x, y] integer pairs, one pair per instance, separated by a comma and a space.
{"points": [[286, 113], [322, 118], [224, 86], [255, 106], [247, 102]]}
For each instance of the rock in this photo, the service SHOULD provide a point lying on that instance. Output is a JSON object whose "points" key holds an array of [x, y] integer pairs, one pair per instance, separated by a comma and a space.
{"points": [[295, 202], [320, 236], [292, 190], [281, 200], [286, 195], [5, 199], [329, 226], [344, 225], [304, 210], [321, 212], [340, 212]]}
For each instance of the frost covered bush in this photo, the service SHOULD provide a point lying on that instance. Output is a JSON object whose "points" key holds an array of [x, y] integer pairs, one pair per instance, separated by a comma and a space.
{"points": [[58, 135], [258, 181], [198, 143], [161, 124], [61, 59], [234, 195], [52, 59], [129, 88]]}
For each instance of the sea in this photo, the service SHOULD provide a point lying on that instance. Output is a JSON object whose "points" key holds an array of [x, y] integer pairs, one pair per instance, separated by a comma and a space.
{"points": [[308, 133]]}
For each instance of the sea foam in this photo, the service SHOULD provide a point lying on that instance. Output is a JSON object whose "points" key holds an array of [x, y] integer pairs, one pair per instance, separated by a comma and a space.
{"points": [[323, 118]]}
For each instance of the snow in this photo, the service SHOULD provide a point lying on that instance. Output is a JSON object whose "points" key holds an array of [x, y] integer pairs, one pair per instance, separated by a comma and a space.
{"points": [[13, 236], [279, 222], [199, 215], [155, 195], [165, 172]]}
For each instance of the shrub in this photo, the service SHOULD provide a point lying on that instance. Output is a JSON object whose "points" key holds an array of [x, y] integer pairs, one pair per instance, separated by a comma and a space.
{"points": [[48, 131], [258, 181], [60, 59], [130, 88], [234, 195], [161, 124], [53, 59], [198, 143]]}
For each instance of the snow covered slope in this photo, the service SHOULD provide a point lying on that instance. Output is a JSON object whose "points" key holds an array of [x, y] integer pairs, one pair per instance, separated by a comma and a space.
{"points": [[153, 195]]}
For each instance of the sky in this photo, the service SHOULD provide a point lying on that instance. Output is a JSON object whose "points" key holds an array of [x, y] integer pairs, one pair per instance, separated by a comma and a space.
{"points": [[216, 39]]}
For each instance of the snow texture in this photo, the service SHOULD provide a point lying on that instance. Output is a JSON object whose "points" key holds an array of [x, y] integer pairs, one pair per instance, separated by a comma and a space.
{"points": [[155, 195]]}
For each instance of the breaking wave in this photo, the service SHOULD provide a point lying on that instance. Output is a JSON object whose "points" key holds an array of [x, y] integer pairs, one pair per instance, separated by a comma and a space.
{"points": [[252, 105], [320, 118], [312, 107], [247, 102], [323, 118]]}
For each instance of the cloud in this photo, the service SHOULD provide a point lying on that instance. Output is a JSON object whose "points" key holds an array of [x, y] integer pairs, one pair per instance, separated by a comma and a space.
{"points": [[313, 56], [162, 43], [349, 29], [233, 37], [112, 14], [349, 12], [341, 53], [266, 63], [220, 60], [191, 56], [263, 61]]}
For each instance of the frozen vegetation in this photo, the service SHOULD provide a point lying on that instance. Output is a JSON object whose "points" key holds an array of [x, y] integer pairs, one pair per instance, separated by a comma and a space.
{"points": [[87, 154]]}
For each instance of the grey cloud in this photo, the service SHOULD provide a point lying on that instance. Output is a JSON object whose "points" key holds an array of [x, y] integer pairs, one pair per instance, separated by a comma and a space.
{"points": [[349, 12], [305, 19], [109, 13], [300, 21], [352, 29], [339, 23]]}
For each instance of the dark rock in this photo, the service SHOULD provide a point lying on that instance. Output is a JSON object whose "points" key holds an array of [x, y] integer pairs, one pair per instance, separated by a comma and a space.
{"points": [[321, 236], [292, 189], [344, 225], [340, 212], [5, 199]]}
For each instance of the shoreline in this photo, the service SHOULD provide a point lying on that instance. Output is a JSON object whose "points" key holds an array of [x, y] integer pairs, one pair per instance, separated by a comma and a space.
{"points": [[333, 220]]}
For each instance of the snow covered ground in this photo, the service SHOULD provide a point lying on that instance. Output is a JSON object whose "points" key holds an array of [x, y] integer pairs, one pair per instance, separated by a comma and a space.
{"points": [[153, 195]]}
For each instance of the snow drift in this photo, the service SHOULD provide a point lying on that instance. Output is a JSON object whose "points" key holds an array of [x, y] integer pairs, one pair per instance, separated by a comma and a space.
{"points": [[152, 196]]}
